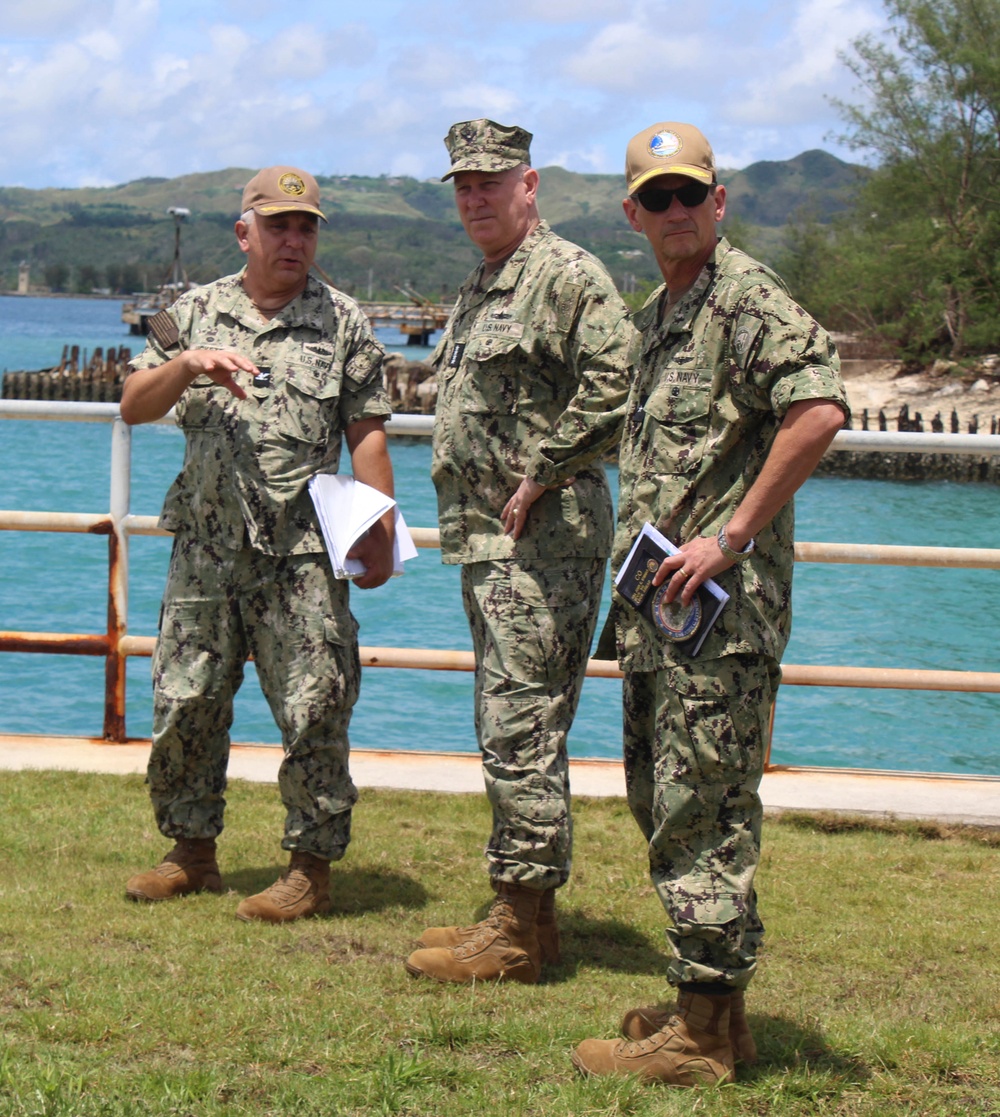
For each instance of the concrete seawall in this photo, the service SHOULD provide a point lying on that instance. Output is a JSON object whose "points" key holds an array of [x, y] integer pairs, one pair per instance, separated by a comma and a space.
{"points": [[947, 799], [909, 467]]}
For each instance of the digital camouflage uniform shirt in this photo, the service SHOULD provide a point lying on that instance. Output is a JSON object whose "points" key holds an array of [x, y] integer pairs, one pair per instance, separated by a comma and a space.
{"points": [[712, 385], [247, 463], [532, 377], [248, 571]]}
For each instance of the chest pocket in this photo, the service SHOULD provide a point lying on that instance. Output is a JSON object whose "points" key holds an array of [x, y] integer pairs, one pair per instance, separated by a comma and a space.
{"points": [[204, 405], [491, 373], [310, 407], [676, 427]]}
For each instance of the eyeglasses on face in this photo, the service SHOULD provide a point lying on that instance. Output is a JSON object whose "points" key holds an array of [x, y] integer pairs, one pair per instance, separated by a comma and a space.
{"points": [[657, 200]]}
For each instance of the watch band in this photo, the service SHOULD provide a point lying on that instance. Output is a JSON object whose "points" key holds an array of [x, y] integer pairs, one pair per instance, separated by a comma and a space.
{"points": [[734, 556]]}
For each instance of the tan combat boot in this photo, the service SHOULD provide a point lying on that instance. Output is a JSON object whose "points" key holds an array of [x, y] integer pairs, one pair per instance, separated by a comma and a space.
{"points": [[546, 929], [505, 945], [641, 1023], [189, 867], [692, 1049], [303, 889]]}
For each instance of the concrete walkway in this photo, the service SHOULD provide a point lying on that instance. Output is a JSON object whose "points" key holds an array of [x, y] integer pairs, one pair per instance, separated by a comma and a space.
{"points": [[969, 800]]}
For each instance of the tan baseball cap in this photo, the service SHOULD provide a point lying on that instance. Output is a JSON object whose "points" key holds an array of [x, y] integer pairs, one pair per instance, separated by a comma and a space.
{"points": [[484, 145], [281, 190], [668, 148]]}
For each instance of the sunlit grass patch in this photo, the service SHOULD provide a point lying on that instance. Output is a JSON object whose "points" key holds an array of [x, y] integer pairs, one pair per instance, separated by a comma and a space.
{"points": [[877, 992]]}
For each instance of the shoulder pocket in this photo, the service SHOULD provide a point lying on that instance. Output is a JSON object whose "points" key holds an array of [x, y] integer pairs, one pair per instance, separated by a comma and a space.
{"points": [[747, 339]]}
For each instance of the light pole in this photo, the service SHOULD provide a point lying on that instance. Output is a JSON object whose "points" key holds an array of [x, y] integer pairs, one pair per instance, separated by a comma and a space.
{"points": [[177, 275]]}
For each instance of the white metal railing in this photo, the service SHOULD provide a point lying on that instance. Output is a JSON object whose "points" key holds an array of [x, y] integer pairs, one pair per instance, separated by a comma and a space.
{"points": [[116, 644]]}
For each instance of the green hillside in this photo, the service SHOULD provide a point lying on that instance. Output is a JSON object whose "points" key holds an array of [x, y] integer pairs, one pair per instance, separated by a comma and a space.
{"points": [[384, 232]]}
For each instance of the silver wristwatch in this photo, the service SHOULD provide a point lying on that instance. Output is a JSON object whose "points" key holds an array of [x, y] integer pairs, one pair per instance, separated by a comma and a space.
{"points": [[734, 556]]}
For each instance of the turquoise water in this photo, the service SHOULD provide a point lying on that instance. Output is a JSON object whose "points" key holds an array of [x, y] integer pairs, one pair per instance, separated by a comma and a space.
{"points": [[872, 616]]}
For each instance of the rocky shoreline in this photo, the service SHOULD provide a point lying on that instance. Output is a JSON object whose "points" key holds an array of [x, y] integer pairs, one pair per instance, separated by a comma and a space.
{"points": [[972, 391], [884, 395], [887, 395]]}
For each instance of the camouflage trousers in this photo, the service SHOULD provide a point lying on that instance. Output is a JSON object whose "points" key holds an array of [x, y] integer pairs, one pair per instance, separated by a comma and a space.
{"points": [[292, 615], [694, 743], [532, 625]]}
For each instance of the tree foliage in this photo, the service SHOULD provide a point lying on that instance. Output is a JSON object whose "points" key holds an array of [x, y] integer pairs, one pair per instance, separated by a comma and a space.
{"points": [[917, 263]]}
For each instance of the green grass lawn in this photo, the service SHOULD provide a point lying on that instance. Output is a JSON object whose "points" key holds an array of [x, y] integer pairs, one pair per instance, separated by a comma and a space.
{"points": [[878, 991]]}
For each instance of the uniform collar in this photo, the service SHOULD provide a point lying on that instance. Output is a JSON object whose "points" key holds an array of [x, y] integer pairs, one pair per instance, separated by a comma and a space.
{"points": [[506, 279], [650, 321], [303, 310]]}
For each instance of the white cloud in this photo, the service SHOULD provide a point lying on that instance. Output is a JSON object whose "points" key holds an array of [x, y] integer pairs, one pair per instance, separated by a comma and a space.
{"points": [[101, 46], [593, 159], [804, 65], [305, 52], [408, 164], [563, 11], [34, 17], [169, 71], [478, 100], [639, 56], [103, 92], [436, 68]]}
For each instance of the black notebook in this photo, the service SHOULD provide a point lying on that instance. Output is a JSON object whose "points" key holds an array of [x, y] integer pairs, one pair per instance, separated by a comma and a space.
{"points": [[685, 625]]}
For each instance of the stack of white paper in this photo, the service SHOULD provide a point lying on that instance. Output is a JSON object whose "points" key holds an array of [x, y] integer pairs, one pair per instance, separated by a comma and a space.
{"points": [[347, 509]]}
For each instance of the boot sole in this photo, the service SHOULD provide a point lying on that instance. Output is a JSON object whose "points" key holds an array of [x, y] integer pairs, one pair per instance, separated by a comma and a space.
{"points": [[142, 898], [693, 1081], [292, 919], [414, 971]]}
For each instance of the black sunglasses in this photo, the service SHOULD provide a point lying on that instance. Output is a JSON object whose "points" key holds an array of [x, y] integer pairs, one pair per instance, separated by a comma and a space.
{"points": [[658, 200]]}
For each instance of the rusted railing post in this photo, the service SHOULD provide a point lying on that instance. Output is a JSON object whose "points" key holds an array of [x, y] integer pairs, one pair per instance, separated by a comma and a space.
{"points": [[114, 665]]}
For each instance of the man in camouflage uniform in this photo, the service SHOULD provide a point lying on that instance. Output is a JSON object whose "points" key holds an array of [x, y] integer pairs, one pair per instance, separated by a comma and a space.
{"points": [[532, 381], [736, 395], [269, 369]]}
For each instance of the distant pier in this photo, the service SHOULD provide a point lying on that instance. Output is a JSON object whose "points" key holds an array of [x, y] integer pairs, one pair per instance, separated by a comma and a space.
{"points": [[415, 322], [77, 377], [99, 377]]}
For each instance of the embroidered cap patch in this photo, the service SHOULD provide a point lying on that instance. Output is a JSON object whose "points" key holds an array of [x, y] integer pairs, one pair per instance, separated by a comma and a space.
{"points": [[665, 144], [291, 184]]}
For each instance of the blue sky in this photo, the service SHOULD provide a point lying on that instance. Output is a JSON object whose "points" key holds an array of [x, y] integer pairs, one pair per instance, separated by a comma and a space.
{"points": [[99, 92]]}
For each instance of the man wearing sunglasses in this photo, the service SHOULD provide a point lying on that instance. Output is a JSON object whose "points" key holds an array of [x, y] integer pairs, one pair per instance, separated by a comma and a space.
{"points": [[735, 397]]}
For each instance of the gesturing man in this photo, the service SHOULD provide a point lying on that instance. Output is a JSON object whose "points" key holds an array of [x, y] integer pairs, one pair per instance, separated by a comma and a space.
{"points": [[269, 369]]}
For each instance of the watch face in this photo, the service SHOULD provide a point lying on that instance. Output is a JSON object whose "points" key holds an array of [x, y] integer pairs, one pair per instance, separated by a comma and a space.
{"points": [[676, 621]]}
